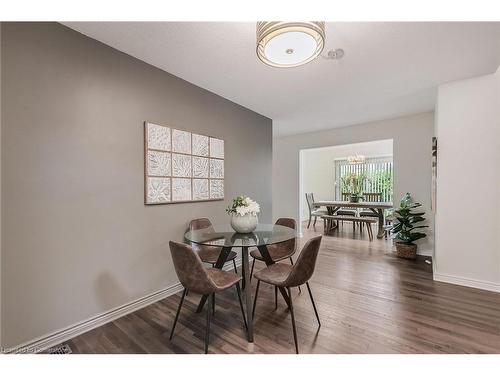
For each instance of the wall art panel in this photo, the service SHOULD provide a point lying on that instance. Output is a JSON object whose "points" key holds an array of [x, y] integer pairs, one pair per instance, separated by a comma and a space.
{"points": [[158, 137], [200, 145], [158, 190], [200, 189], [216, 168], [158, 163], [181, 190], [216, 189], [200, 167], [216, 148], [181, 141], [180, 166]]}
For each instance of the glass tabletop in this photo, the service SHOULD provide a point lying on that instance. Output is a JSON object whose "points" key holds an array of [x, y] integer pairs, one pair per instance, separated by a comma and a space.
{"points": [[224, 235]]}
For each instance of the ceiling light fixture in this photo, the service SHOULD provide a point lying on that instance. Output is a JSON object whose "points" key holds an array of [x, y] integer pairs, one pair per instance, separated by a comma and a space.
{"points": [[289, 44], [356, 159]]}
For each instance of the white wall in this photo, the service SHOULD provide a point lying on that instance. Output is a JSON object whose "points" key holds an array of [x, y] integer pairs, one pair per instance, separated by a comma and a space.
{"points": [[468, 199], [412, 136], [318, 168]]}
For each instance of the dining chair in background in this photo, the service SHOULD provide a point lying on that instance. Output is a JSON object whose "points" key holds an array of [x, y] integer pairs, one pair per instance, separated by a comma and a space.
{"points": [[280, 251], [198, 279], [209, 254], [369, 197], [346, 211], [313, 211], [288, 276]]}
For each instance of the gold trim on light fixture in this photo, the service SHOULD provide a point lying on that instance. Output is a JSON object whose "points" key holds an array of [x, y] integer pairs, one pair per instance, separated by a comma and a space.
{"points": [[356, 159], [269, 30]]}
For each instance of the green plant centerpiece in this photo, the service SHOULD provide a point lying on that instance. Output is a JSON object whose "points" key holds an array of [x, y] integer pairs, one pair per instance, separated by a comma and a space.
{"points": [[353, 184], [405, 228], [244, 214]]}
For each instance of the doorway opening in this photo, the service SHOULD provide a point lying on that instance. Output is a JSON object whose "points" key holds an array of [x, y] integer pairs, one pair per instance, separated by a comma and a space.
{"points": [[324, 172]]}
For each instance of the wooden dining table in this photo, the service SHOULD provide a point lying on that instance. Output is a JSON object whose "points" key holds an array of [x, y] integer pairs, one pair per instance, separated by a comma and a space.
{"points": [[377, 207]]}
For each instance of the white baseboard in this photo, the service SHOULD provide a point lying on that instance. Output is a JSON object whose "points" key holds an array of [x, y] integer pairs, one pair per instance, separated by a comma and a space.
{"points": [[472, 283], [427, 252], [47, 341]]}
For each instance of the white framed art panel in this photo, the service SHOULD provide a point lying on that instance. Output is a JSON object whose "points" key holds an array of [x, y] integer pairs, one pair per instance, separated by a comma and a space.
{"points": [[181, 166]]}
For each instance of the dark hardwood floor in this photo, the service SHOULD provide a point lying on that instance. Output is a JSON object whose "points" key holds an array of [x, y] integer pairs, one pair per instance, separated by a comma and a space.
{"points": [[369, 301]]}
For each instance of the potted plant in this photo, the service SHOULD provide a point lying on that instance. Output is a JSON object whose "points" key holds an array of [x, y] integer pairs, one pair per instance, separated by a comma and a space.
{"points": [[243, 214], [353, 184], [405, 227]]}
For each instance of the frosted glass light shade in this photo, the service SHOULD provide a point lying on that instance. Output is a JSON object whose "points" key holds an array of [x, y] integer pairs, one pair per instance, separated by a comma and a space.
{"points": [[289, 44]]}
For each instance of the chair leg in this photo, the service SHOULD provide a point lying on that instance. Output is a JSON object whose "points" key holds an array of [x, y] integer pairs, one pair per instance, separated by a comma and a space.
{"points": [[238, 290], [255, 298], [251, 271], [370, 232], [309, 224], [213, 303], [314, 305], [207, 331], [242, 277], [293, 322], [291, 261], [275, 297], [235, 268], [314, 224], [184, 293]]}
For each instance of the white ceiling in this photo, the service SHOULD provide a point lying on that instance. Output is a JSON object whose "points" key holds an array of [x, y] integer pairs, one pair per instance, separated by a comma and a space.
{"points": [[389, 69]]}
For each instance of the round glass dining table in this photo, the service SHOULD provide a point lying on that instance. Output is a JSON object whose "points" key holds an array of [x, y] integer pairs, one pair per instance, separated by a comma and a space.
{"points": [[226, 238]]}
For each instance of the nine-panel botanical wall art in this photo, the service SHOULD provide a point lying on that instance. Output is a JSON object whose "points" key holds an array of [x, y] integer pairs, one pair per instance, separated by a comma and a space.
{"points": [[181, 166]]}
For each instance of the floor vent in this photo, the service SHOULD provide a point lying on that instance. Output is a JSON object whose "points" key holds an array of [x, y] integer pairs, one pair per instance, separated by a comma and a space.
{"points": [[61, 349]]}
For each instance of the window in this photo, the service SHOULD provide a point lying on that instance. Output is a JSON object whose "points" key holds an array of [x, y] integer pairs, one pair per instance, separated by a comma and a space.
{"points": [[379, 171]]}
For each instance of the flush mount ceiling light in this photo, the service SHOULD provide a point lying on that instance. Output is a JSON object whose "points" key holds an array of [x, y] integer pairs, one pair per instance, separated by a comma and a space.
{"points": [[289, 44]]}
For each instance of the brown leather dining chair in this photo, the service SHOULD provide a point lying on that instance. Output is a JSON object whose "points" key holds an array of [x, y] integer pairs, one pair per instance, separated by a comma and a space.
{"points": [[288, 276], [279, 251], [198, 279], [209, 254]]}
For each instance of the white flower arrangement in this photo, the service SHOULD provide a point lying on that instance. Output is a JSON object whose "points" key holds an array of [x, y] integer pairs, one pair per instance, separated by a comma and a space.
{"points": [[243, 206]]}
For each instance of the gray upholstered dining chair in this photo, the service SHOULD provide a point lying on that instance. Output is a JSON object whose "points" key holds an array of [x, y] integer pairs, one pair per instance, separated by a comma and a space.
{"points": [[198, 279], [288, 276], [209, 254], [346, 211], [370, 197], [280, 251], [313, 211]]}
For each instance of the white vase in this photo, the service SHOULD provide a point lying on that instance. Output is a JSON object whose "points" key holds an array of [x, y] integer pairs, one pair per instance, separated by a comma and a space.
{"points": [[244, 224]]}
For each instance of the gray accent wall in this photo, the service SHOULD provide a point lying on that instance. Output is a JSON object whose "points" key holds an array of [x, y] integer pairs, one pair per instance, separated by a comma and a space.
{"points": [[411, 135], [77, 238]]}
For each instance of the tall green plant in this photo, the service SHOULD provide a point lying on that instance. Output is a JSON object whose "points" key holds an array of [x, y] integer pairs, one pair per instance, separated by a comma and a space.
{"points": [[406, 220], [353, 184]]}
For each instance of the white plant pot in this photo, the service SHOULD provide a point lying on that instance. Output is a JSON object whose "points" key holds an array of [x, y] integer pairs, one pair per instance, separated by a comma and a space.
{"points": [[244, 224]]}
